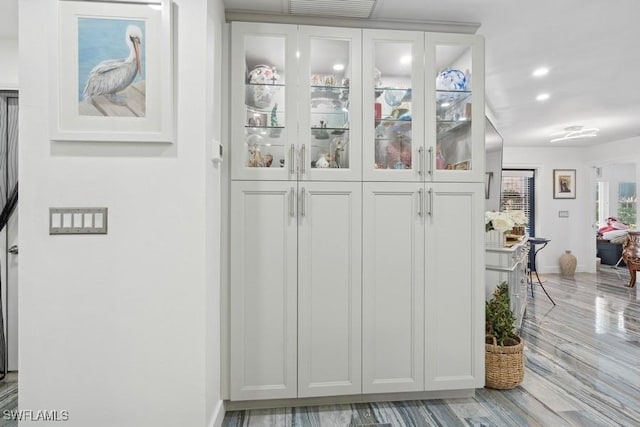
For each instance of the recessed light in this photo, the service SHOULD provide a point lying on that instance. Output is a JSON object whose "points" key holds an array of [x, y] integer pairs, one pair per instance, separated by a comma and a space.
{"points": [[406, 59], [542, 97], [445, 104], [539, 72], [338, 67]]}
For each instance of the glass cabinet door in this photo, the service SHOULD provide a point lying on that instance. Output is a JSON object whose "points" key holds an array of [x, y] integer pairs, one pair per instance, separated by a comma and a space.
{"points": [[393, 86], [330, 128], [457, 138], [263, 101]]}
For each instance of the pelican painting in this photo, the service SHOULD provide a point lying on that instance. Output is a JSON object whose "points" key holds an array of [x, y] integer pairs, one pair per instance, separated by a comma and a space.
{"points": [[111, 72]]}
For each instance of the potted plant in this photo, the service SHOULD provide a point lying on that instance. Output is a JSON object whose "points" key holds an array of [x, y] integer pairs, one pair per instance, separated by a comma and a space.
{"points": [[504, 357]]}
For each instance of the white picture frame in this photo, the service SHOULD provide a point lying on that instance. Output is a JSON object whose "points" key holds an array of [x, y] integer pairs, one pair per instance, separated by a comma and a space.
{"points": [[89, 33]]}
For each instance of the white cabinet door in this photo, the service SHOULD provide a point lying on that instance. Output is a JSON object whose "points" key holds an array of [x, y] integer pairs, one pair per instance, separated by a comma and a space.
{"points": [[263, 290], [330, 104], [264, 121], [329, 289], [454, 105], [455, 288], [393, 94], [393, 287]]}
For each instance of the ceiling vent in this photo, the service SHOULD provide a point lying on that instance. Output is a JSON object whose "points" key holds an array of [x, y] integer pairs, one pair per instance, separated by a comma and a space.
{"points": [[345, 8]]}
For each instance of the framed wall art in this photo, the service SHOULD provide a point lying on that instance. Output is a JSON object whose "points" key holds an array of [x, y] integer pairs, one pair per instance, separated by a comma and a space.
{"points": [[112, 72], [564, 183]]}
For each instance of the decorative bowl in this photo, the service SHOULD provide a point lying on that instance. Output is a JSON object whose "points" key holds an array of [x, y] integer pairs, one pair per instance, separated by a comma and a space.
{"points": [[451, 80]]}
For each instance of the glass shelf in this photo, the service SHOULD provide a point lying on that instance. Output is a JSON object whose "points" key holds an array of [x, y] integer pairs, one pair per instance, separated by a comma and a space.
{"points": [[334, 131], [393, 121], [451, 96], [277, 85], [328, 88], [267, 144], [444, 126]]}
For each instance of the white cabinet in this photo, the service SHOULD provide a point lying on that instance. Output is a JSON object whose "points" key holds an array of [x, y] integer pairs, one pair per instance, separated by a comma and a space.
{"points": [[393, 287], [393, 92], [329, 289], [423, 304], [264, 101], [263, 290], [296, 289], [330, 104], [427, 126], [509, 265], [295, 113], [455, 107], [427, 90], [355, 268], [454, 289]]}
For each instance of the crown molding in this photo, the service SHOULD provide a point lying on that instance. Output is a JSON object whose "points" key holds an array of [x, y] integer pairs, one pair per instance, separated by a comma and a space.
{"points": [[332, 21]]}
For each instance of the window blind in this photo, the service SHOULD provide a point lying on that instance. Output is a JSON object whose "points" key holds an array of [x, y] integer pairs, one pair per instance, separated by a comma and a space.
{"points": [[518, 194]]}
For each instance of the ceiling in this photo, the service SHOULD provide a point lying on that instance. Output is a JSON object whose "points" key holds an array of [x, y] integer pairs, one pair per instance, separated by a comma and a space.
{"points": [[591, 47]]}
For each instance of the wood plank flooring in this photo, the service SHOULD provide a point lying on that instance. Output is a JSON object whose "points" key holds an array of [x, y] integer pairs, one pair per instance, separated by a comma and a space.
{"points": [[582, 369], [582, 361], [8, 399]]}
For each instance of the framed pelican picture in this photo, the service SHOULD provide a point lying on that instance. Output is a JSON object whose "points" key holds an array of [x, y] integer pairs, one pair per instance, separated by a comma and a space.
{"points": [[112, 71]]}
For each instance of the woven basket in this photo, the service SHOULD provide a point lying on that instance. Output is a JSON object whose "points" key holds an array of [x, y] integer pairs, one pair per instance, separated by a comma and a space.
{"points": [[504, 365]]}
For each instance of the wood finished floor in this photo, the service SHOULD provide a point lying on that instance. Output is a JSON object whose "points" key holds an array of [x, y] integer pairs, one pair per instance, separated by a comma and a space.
{"points": [[8, 399], [582, 369], [582, 360]]}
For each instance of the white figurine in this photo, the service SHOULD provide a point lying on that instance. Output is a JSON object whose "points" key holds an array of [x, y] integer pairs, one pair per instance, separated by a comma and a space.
{"points": [[322, 161]]}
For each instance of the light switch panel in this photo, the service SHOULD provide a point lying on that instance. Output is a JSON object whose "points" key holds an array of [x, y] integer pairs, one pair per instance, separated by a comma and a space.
{"points": [[78, 220], [563, 214]]}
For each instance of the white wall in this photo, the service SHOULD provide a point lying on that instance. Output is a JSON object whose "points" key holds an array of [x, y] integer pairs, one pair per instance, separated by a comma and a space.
{"points": [[574, 233], [9, 61], [115, 328]]}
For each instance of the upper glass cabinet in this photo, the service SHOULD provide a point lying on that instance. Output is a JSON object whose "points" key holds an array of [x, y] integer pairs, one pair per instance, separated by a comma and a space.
{"points": [[263, 101], [393, 92], [319, 103], [330, 128], [457, 106]]}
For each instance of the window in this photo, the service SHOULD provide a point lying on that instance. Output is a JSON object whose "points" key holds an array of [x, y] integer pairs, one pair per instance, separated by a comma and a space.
{"points": [[518, 194], [627, 203], [602, 203]]}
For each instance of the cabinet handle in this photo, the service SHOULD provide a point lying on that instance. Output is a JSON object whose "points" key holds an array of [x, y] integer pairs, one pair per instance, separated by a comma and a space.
{"points": [[421, 161], [430, 170], [302, 201], [420, 201], [292, 195], [430, 210], [291, 155], [303, 165]]}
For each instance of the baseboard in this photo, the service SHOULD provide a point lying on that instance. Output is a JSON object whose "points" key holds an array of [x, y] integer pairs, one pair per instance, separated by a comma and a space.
{"points": [[218, 415], [356, 398]]}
